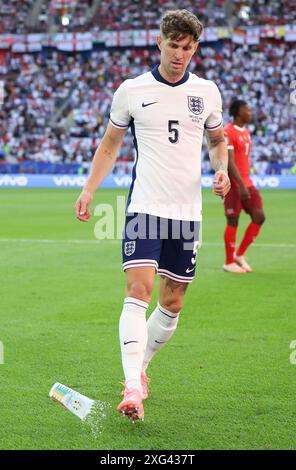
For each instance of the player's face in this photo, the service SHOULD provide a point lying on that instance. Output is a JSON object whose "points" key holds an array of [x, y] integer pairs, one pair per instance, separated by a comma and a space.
{"points": [[175, 55], [245, 113]]}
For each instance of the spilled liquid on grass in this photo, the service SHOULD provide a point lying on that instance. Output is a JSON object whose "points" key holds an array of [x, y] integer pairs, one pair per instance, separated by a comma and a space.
{"points": [[97, 417]]}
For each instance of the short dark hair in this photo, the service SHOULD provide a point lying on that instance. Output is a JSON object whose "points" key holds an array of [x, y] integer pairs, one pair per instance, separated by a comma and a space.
{"points": [[176, 24], [235, 107]]}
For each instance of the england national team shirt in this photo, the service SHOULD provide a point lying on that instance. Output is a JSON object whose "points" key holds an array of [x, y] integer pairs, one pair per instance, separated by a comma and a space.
{"points": [[167, 121]]}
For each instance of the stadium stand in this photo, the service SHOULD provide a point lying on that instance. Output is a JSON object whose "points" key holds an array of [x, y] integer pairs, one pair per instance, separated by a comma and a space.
{"points": [[19, 16], [56, 104]]}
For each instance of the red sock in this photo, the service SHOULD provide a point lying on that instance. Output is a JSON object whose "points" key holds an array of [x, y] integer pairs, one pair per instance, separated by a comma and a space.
{"points": [[229, 240], [251, 233]]}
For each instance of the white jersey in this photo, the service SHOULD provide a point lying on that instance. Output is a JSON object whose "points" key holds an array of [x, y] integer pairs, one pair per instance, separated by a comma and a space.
{"points": [[168, 122]]}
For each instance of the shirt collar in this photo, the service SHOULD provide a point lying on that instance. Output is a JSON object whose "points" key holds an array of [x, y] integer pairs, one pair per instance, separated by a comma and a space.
{"points": [[241, 129], [159, 78]]}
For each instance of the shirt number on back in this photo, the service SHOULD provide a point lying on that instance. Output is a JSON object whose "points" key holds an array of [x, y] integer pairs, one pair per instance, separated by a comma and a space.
{"points": [[174, 138]]}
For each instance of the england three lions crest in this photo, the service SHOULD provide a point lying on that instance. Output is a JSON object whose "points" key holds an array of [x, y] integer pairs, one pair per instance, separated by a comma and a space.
{"points": [[129, 248], [195, 104]]}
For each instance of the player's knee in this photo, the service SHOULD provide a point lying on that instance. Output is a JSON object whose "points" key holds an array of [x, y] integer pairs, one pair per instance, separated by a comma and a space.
{"points": [[140, 290], [172, 295], [259, 218], [232, 221], [176, 307], [173, 304]]}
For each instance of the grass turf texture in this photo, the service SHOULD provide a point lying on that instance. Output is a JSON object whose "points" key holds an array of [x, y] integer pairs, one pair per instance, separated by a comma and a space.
{"points": [[225, 380]]}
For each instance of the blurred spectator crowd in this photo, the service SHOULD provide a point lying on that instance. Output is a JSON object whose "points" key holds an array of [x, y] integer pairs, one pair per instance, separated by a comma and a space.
{"points": [[79, 90], [21, 16], [262, 77], [139, 14], [56, 108]]}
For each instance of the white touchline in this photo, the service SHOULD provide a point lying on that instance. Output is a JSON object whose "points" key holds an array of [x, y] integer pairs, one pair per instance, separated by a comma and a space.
{"points": [[96, 242], [259, 245], [45, 240]]}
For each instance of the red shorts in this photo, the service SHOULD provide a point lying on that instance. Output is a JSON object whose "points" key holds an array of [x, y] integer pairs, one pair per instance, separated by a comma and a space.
{"points": [[233, 204]]}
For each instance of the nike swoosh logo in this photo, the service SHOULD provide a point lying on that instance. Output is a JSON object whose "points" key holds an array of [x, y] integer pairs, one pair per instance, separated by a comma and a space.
{"points": [[159, 342], [189, 270], [148, 104], [128, 342]]}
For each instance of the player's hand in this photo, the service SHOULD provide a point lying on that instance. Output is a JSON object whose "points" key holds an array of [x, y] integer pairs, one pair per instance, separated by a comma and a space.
{"points": [[221, 183], [244, 193], [82, 206]]}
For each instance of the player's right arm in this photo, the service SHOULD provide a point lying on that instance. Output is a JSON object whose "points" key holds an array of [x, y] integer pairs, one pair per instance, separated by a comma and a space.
{"points": [[102, 163], [233, 171]]}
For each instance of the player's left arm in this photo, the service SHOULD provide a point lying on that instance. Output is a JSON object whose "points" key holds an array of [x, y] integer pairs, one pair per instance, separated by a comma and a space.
{"points": [[219, 160]]}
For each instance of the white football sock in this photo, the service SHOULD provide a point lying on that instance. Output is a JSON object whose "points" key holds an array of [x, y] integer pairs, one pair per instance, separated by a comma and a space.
{"points": [[161, 326], [133, 340]]}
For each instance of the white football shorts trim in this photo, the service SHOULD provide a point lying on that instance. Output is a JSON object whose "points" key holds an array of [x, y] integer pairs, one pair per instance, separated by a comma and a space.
{"points": [[174, 277], [136, 263]]}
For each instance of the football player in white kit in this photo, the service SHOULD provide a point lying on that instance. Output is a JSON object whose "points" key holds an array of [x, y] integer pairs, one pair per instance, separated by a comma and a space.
{"points": [[168, 110]]}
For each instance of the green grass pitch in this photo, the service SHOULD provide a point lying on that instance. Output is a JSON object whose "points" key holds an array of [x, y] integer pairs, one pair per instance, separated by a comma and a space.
{"points": [[225, 381]]}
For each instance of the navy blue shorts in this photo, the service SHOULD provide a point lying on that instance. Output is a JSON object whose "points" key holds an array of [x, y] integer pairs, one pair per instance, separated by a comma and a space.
{"points": [[170, 246]]}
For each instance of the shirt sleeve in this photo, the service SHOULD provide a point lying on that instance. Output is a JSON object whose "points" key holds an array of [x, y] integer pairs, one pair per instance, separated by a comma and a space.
{"points": [[214, 120], [229, 138], [119, 114]]}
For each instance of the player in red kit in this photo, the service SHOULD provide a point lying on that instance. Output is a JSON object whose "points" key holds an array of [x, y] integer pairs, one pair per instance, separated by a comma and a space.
{"points": [[243, 194]]}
